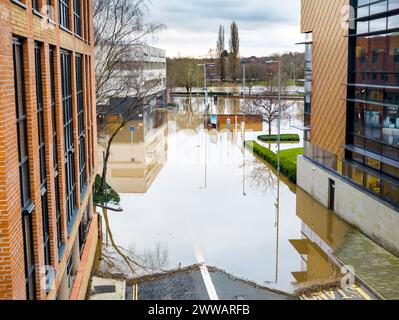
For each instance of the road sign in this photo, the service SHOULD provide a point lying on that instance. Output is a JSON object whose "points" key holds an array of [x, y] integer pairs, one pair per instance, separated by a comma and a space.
{"points": [[132, 129]]}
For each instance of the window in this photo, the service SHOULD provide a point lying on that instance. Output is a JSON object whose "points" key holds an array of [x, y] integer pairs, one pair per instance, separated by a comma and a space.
{"points": [[375, 55], [55, 152], [69, 146], [42, 156], [77, 17], [35, 5], [50, 10], [84, 228], [63, 11], [23, 162], [81, 124], [69, 272], [396, 55]]}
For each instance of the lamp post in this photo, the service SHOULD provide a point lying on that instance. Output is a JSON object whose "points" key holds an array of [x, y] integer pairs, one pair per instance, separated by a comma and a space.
{"points": [[294, 75], [278, 167], [244, 125], [244, 81], [205, 80], [279, 114]]}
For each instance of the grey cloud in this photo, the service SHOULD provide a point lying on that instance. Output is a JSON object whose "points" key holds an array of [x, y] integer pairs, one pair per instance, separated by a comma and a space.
{"points": [[201, 18]]}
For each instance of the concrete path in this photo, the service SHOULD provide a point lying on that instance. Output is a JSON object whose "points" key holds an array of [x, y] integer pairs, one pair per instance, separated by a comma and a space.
{"points": [[375, 266]]}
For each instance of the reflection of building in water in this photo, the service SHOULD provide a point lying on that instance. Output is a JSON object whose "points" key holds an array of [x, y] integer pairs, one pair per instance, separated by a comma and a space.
{"points": [[234, 121], [138, 153], [323, 232]]}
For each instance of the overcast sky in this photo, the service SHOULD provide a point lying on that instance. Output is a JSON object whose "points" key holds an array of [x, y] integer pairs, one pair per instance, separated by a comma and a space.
{"points": [[265, 26]]}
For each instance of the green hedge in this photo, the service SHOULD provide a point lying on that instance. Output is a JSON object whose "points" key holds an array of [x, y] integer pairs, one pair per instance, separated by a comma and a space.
{"points": [[287, 167], [284, 138]]}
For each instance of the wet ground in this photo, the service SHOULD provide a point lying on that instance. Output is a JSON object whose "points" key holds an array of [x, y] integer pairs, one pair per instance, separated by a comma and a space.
{"points": [[195, 196]]}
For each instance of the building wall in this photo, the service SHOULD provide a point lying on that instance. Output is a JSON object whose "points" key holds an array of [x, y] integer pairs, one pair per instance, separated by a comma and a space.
{"points": [[376, 220], [18, 20], [330, 64]]}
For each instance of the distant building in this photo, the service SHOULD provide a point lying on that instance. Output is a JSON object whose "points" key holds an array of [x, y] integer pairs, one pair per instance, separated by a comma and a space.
{"points": [[351, 160], [48, 230]]}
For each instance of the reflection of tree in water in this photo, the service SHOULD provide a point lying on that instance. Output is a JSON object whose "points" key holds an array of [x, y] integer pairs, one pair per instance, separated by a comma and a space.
{"points": [[116, 260], [260, 175], [189, 118], [236, 106]]}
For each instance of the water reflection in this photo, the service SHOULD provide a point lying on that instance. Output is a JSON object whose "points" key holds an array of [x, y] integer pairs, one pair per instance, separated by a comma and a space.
{"points": [[138, 152], [198, 196], [322, 233]]}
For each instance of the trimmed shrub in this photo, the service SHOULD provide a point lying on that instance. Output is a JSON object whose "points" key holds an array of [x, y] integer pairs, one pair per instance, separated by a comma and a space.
{"points": [[287, 167], [284, 138]]}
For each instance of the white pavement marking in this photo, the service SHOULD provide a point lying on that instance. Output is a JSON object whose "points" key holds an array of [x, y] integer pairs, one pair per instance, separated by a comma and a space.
{"points": [[208, 283], [210, 288]]}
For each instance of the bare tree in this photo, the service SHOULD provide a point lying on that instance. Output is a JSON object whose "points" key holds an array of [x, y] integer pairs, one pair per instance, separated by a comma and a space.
{"points": [[234, 51], [119, 31], [119, 25], [184, 72], [266, 104], [254, 72]]}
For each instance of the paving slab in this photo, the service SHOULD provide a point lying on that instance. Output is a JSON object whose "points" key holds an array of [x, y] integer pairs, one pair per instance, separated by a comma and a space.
{"points": [[375, 266]]}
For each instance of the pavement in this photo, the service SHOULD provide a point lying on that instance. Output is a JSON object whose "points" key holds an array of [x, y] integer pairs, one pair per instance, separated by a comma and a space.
{"points": [[374, 266]]}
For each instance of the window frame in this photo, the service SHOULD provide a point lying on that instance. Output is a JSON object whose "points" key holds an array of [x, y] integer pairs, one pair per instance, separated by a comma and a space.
{"points": [[69, 151], [26, 206]]}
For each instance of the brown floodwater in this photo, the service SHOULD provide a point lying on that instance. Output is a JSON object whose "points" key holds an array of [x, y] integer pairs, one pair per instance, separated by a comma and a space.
{"points": [[198, 195]]}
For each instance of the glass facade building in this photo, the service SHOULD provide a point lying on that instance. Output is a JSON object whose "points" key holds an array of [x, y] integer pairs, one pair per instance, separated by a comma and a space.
{"points": [[372, 149]]}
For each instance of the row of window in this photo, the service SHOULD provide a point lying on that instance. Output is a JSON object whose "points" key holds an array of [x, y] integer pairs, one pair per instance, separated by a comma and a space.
{"points": [[69, 156], [23, 163], [374, 100], [378, 52], [372, 182], [80, 14], [371, 7]]}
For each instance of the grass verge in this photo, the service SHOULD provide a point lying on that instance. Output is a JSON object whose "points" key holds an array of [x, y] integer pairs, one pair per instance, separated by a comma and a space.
{"points": [[284, 138], [287, 158]]}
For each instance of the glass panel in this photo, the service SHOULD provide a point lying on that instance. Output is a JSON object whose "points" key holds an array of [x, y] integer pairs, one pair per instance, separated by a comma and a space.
{"points": [[378, 24], [373, 163], [387, 169], [393, 4], [378, 7], [373, 183]]}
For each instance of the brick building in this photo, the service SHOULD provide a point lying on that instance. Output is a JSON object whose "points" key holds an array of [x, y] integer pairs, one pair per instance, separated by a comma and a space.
{"points": [[48, 231]]}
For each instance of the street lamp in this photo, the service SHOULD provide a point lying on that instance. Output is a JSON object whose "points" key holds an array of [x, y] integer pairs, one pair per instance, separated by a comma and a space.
{"points": [[294, 75], [244, 125], [279, 113], [205, 80], [278, 166]]}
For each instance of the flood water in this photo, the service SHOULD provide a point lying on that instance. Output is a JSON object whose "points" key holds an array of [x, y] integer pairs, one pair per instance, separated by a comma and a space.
{"points": [[199, 196]]}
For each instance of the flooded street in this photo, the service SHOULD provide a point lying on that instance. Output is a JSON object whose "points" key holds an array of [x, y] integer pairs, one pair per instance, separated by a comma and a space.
{"points": [[192, 195]]}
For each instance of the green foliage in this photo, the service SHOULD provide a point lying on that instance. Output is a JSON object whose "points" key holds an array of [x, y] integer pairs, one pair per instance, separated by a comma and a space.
{"points": [[292, 154], [109, 195], [284, 138], [287, 165]]}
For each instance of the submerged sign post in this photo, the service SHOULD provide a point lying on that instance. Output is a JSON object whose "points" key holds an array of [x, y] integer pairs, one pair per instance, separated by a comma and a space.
{"points": [[213, 120]]}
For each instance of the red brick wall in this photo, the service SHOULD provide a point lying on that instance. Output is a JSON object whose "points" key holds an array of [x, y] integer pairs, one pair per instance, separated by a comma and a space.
{"points": [[15, 20]]}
